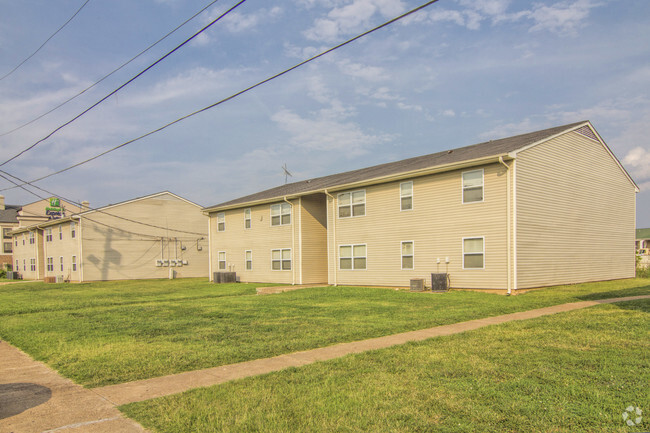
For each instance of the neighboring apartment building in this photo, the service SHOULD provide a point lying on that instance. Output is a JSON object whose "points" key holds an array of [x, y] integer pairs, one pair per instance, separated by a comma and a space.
{"points": [[156, 236], [14, 216], [642, 241], [513, 213]]}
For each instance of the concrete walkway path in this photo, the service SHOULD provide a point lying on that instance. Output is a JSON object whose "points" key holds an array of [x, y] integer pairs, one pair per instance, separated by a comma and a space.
{"points": [[166, 385], [34, 398]]}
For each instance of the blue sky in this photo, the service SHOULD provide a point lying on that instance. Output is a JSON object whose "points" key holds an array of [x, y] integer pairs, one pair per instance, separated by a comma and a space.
{"points": [[454, 74]]}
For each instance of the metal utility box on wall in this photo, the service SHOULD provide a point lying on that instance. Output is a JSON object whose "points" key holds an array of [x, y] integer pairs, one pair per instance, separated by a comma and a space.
{"points": [[439, 282], [417, 285], [224, 277]]}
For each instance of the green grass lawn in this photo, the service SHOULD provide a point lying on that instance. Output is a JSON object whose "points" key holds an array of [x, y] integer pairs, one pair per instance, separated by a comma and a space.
{"points": [[570, 372], [104, 333]]}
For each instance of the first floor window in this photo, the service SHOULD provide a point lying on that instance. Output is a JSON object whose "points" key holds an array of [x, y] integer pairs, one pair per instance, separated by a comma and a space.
{"points": [[473, 253], [407, 255], [473, 186], [17, 267], [50, 264], [74, 263], [61, 263], [32, 265], [406, 195], [280, 214], [352, 204], [221, 222], [249, 260], [281, 259], [352, 256], [24, 265], [222, 260]]}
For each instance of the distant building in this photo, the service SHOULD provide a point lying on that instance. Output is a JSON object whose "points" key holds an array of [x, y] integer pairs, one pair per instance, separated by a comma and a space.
{"points": [[14, 216], [514, 213], [642, 241], [156, 236]]}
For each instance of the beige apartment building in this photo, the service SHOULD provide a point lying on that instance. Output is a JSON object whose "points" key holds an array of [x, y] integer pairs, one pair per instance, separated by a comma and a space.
{"points": [[14, 216], [513, 213], [158, 236]]}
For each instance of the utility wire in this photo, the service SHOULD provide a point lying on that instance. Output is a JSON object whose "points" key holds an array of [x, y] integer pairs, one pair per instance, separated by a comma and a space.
{"points": [[125, 84], [233, 96], [112, 72], [4, 174], [43, 44]]}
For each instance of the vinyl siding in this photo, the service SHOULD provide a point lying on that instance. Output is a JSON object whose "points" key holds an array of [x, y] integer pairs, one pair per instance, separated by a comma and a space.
{"points": [[130, 250], [27, 252], [575, 214], [437, 224], [66, 248], [261, 239], [314, 239]]}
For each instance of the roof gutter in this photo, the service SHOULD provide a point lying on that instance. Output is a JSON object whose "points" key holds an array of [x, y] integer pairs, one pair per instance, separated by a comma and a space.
{"points": [[381, 179]]}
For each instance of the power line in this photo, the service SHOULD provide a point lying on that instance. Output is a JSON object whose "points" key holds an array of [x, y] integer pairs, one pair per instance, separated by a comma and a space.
{"points": [[110, 73], [125, 84], [233, 96], [4, 174], [46, 41]]}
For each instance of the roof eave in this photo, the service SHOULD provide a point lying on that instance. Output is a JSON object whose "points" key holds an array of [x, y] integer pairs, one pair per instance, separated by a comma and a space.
{"points": [[377, 180]]}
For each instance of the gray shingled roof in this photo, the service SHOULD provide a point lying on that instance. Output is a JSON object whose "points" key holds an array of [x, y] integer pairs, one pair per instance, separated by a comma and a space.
{"points": [[9, 214], [480, 150]]}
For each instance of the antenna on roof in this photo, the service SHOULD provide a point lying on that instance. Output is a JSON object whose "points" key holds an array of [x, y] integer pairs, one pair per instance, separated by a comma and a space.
{"points": [[286, 172]]}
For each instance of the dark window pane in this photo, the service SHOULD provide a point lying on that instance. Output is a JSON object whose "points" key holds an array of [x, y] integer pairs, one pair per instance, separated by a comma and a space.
{"points": [[473, 261], [359, 209], [407, 203], [346, 264], [286, 265], [360, 263], [275, 265], [407, 262], [344, 212], [286, 219], [473, 194], [275, 221]]}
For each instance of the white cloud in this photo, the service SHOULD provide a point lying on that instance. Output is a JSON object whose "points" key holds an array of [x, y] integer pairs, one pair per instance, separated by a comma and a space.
{"points": [[563, 17], [449, 113], [369, 73], [637, 161], [351, 18], [510, 129], [412, 107]]}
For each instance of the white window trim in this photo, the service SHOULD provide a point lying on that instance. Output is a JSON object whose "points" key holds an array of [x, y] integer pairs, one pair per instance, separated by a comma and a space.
{"points": [[280, 215], [404, 196], [50, 262], [246, 260], [463, 257], [48, 234], [401, 256], [225, 261], [73, 229], [221, 216], [249, 219], [462, 187], [338, 204], [61, 263], [60, 232], [74, 263], [291, 260], [352, 257]]}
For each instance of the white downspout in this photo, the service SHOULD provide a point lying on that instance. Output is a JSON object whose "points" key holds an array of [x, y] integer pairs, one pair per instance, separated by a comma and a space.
{"points": [[300, 236], [210, 239], [333, 237], [293, 243], [514, 221], [508, 224], [81, 251]]}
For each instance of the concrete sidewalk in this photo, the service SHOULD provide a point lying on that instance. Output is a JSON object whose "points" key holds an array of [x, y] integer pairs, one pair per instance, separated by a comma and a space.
{"points": [[34, 398]]}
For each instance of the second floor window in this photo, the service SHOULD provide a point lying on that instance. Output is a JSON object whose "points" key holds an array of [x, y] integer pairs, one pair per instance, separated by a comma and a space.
{"points": [[221, 222], [31, 238], [73, 230], [280, 214], [247, 218], [473, 186], [352, 204], [48, 235], [406, 195]]}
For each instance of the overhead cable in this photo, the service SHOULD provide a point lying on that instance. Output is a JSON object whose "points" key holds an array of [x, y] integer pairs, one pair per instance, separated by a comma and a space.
{"points": [[110, 73], [46, 41], [123, 85], [233, 96]]}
